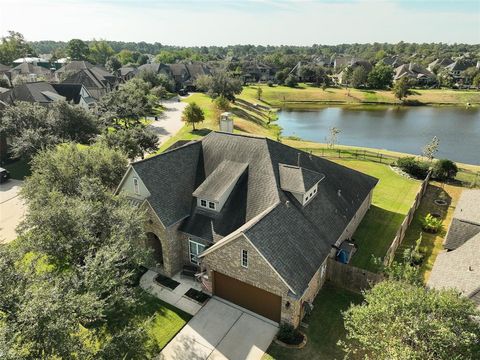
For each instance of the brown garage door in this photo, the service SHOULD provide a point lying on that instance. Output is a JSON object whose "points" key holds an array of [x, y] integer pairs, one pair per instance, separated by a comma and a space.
{"points": [[250, 297]]}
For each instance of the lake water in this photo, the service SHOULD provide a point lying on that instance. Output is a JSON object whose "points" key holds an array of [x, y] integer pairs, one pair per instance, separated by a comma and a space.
{"points": [[393, 128]]}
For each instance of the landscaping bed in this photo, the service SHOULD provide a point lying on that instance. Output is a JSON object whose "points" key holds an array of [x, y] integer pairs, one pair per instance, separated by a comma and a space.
{"points": [[196, 295], [166, 281]]}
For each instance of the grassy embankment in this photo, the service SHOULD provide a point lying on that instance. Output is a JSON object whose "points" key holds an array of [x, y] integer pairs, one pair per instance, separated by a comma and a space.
{"points": [[305, 96]]}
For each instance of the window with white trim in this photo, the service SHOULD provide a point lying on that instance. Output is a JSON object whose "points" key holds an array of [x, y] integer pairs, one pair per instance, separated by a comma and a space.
{"points": [[203, 203], [244, 258], [195, 249], [136, 186], [211, 205]]}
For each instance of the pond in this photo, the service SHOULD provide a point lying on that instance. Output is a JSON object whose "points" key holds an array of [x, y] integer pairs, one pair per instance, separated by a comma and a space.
{"points": [[403, 129]]}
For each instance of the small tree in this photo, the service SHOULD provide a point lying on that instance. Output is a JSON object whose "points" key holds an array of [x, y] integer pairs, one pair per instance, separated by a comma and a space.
{"points": [[193, 114], [380, 77], [431, 148], [398, 320], [444, 169], [259, 93], [222, 103], [401, 88], [332, 139], [291, 81]]}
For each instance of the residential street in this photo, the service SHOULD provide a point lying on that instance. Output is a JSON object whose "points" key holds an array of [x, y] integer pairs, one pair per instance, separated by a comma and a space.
{"points": [[12, 210], [170, 121]]}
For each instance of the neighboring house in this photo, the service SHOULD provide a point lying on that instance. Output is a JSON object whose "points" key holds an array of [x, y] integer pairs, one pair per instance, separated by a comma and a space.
{"points": [[340, 62], [394, 61], [456, 69], [416, 73], [37, 61], [254, 71], [256, 218], [459, 266], [76, 94], [185, 75], [439, 64], [37, 92], [341, 78], [93, 80], [127, 73], [4, 69], [29, 73], [109, 80]]}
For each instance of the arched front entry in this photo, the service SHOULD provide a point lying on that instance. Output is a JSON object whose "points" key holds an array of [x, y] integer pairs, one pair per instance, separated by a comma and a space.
{"points": [[154, 243]]}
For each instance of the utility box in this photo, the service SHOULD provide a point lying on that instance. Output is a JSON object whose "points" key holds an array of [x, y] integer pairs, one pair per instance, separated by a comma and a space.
{"points": [[226, 122]]}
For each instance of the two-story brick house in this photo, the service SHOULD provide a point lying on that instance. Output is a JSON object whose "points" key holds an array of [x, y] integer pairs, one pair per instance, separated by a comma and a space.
{"points": [[258, 218]]}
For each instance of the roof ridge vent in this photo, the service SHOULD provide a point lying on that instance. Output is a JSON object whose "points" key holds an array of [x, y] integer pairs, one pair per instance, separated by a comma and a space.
{"points": [[287, 203], [339, 192]]}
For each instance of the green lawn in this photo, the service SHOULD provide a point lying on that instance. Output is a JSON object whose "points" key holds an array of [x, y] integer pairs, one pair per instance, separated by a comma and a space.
{"points": [[392, 197], [325, 327], [308, 96]]}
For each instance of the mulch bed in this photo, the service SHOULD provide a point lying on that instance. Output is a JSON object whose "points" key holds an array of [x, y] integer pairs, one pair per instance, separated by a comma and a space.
{"points": [[196, 295], [166, 281], [298, 342]]}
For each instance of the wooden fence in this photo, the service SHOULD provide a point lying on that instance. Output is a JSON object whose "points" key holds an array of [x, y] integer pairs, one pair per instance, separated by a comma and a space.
{"points": [[397, 240], [351, 277]]}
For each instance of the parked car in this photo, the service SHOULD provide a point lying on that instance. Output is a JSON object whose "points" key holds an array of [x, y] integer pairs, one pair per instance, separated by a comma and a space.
{"points": [[182, 92], [4, 175]]}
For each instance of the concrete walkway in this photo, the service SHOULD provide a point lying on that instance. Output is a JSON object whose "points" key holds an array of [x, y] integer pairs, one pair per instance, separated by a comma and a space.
{"points": [[12, 210], [174, 297], [170, 121], [221, 331]]}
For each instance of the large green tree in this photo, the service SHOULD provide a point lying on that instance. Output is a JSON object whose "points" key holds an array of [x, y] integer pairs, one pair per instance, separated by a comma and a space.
{"points": [[398, 320], [380, 77], [77, 50], [12, 47], [219, 83], [401, 88], [100, 51], [359, 77], [135, 142], [33, 127]]}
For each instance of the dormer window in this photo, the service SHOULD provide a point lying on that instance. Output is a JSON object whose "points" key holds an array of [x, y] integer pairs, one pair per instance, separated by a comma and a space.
{"points": [[302, 183], [217, 187]]}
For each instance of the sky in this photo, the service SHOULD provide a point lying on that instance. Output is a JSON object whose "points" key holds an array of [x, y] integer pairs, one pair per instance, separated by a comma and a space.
{"points": [[258, 22]]}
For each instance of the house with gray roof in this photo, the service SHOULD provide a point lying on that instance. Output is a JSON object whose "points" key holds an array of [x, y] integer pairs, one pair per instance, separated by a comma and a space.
{"points": [[458, 267], [40, 92], [416, 73], [257, 219], [29, 73]]}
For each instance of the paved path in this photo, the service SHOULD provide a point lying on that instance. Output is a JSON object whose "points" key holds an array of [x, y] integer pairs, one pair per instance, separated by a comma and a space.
{"points": [[12, 209], [174, 297], [221, 331], [170, 121]]}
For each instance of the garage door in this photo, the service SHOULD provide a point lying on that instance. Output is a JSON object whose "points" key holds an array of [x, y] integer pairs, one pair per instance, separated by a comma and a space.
{"points": [[250, 297]]}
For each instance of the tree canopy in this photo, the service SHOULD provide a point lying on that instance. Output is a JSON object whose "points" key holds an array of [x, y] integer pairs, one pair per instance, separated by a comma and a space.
{"points": [[381, 76], [12, 47], [219, 83], [399, 320], [193, 114], [77, 50]]}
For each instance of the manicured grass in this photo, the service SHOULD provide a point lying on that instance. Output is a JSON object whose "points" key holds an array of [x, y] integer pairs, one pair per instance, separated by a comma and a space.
{"points": [[431, 243], [392, 197], [247, 120], [325, 327], [18, 169], [306, 95]]}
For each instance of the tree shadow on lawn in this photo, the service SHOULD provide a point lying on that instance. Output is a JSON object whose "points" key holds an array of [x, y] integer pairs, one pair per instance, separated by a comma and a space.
{"points": [[245, 115], [374, 236], [325, 327]]}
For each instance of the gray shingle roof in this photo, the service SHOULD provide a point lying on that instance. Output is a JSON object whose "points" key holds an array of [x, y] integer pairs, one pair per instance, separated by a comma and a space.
{"points": [[39, 92], [298, 179], [294, 239], [223, 177], [466, 219], [459, 269]]}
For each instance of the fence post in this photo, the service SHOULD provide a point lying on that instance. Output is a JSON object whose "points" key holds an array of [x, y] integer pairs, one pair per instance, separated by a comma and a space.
{"points": [[364, 154], [339, 153], [381, 157]]}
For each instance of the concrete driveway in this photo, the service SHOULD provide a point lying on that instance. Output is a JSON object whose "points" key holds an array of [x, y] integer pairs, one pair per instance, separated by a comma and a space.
{"points": [[170, 121], [12, 209], [220, 331]]}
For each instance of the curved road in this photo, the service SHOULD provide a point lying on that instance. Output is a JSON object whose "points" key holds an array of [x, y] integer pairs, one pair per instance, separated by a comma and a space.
{"points": [[170, 121]]}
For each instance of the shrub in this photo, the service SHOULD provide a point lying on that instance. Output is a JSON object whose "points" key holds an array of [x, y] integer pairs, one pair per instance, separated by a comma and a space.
{"points": [[291, 81], [289, 335], [431, 223], [444, 169], [417, 254], [270, 83], [416, 168], [222, 103]]}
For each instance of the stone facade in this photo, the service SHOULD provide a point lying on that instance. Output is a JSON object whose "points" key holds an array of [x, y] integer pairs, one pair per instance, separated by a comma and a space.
{"points": [[171, 240]]}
